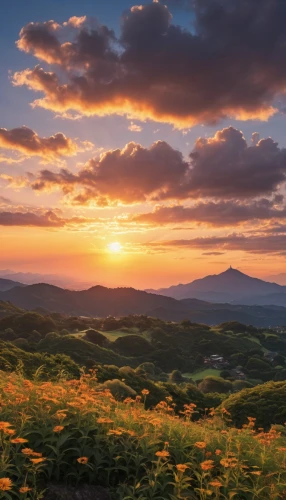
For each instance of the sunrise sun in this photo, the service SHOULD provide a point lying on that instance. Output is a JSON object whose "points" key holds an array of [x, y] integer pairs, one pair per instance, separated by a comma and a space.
{"points": [[114, 247]]}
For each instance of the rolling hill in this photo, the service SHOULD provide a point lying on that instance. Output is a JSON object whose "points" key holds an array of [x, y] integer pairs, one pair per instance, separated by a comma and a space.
{"points": [[99, 301]]}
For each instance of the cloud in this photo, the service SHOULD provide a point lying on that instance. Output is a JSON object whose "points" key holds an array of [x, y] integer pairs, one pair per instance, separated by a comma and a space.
{"points": [[48, 219], [158, 70], [257, 244], [127, 175], [219, 214], [27, 142], [18, 181], [4, 200], [213, 253], [134, 128], [221, 167], [225, 166]]}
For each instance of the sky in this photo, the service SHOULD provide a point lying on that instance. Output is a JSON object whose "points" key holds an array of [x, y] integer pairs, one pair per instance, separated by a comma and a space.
{"points": [[143, 144]]}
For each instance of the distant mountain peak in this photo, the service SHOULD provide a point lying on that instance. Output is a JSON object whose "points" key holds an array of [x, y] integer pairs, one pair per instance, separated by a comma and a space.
{"points": [[230, 285]]}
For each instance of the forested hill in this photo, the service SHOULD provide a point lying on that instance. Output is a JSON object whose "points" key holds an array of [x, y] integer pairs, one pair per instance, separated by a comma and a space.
{"points": [[100, 301]]}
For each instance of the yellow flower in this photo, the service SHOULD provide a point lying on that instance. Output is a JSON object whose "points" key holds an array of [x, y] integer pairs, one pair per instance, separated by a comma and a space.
{"points": [[82, 460], [58, 428], [207, 465], [24, 489], [215, 483], [162, 454], [5, 484], [182, 467], [19, 441], [200, 444]]}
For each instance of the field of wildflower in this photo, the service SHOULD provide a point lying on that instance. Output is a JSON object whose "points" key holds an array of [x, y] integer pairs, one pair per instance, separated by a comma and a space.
{"points": [[71, 432]]}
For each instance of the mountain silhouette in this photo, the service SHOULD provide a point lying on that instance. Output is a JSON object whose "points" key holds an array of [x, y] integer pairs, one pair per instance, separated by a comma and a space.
{"points": [[6, 284], [229, 286], [100, 301]]}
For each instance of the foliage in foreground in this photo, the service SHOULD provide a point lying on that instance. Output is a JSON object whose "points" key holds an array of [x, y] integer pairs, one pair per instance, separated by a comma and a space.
{"points": [[74, 430]]}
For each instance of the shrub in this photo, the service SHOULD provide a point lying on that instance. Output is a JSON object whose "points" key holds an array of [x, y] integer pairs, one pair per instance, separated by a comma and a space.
{"points": [[176, 377], [256, 364], [96, 338], [132, 345], [215, 384], [119, 389], [266, 403]]}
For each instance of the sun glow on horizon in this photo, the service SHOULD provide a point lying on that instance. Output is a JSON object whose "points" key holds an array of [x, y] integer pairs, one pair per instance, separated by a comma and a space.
{"points": [[114, 247]]}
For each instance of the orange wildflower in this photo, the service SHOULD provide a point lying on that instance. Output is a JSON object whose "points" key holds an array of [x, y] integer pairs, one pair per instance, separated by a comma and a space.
{"points": [[256, 472], [215, 483], [19, 440], [200, 444], [10, 432], [37, 460], [82, 460], [208, 454], [162, 454], [145, 392], [104, 421], [24, 489], [58, 428], [182, 467], [4, 426], [229, 462], [218, 452], [5, 484], [207, 465], [27, 451], [114, 432]]}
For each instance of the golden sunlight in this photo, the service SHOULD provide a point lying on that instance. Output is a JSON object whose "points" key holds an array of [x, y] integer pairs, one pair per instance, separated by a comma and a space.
{"points": [[114, 247]]}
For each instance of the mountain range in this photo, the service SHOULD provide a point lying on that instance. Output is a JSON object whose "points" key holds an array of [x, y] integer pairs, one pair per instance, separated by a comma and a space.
{"points": [[99, 301], [230, 286]]}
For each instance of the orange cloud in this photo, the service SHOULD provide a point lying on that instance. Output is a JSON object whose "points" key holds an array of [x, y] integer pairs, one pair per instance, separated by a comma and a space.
{"points": [[157, 70], [27, 142], [222, 167], [48, 219]]}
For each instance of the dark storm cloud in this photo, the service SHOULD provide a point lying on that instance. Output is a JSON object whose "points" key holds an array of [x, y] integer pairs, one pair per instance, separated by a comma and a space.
{"points": [[232, 63]]}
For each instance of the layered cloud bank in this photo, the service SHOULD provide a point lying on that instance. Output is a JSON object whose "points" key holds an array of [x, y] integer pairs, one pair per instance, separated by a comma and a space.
{"points": [[221, 167], [226, 194], [231, 64]]}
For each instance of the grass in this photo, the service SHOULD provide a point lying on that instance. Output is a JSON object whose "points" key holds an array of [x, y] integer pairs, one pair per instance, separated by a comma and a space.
{"points": [[72, 430], [207, 372]]}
